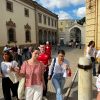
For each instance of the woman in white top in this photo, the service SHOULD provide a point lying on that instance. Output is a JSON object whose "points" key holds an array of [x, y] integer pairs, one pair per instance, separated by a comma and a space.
{"points": [[58, 73], [7, 67], [91, 54]]}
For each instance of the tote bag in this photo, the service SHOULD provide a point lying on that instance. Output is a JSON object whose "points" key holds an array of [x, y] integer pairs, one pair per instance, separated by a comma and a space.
{"points": [[12, 75], [21, 88]]}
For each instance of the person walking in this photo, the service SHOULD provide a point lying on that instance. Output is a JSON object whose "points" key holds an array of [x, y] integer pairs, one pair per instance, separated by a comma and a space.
{"points": [[33, 71], [7, 67], [91, 54], [58, 73], [48, 49], [44, 58]]}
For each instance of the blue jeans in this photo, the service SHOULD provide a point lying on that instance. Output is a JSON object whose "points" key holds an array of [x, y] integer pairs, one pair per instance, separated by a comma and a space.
{"points": [[58, 82]]}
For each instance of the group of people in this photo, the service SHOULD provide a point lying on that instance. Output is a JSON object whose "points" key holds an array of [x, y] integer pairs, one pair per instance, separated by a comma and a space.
{"points": [[73, 43], [19, 53], [37, 71], [40, 68]]}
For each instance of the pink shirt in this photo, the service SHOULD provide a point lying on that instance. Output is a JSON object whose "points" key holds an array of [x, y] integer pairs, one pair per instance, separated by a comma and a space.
{"points": [[33, 73]]}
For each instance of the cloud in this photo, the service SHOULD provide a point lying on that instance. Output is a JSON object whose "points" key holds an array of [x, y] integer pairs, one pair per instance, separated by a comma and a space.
{"points": [[80, 12], [64, 15], [77, 2], [51, 4]]}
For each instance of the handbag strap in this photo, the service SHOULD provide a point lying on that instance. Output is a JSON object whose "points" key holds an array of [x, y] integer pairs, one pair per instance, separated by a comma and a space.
{"points": [[53, 66]]}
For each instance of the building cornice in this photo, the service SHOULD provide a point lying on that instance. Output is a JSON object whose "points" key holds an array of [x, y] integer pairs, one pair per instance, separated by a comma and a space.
{"points": [[38, 6], [29, 2], [45, 28]]}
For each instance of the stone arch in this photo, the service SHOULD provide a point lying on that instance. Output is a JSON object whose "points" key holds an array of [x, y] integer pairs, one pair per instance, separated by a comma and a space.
{"points": [[40, 35], [11, 32], [53, 38], [27, 33], [27, 26], [49, 36], [45, 36], [10, 23], [75, 34]]}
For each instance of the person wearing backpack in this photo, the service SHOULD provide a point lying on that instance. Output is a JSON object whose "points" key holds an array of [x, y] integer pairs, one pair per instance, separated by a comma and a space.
{"points": [[58, 73]]}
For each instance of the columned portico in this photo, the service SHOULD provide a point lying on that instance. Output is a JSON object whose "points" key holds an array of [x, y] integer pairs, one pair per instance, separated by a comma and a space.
{"points": [[47, 35]]}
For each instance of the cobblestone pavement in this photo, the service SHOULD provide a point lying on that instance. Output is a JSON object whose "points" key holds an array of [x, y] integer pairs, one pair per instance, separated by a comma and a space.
{"points": [[72, 55]]}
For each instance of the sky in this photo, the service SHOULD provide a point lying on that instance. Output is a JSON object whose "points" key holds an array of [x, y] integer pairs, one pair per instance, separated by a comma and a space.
{"points": [[65, 9]]}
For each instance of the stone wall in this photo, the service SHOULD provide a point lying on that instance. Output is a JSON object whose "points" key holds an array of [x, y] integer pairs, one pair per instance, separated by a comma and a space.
{"points": [[93, 22]]}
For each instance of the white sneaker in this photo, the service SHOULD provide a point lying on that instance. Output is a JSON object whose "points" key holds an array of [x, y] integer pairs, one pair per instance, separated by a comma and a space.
{"points": [[44, 98]]}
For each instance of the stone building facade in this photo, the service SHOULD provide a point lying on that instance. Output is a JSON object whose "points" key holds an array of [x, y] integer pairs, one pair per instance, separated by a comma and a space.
{"points": [[47, 25], [71, 30], [93, 22], [26, 22]]}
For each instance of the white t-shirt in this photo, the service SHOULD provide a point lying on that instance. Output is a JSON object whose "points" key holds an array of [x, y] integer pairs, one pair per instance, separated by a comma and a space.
{"points": [[58, 68], [5, 68]]}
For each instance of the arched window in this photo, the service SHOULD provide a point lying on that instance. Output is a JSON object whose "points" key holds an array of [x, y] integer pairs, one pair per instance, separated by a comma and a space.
{"points": [[11, 35], [28, 36]]}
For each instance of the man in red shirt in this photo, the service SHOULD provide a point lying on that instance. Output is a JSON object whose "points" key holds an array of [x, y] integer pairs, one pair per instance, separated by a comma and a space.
{"points": [[44, 58], [48, 49]]}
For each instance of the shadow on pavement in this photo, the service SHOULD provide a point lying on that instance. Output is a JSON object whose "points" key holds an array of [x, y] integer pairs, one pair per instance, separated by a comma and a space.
{"points": [[74, 96], [51, 95], [94, 94], [2, 99]]}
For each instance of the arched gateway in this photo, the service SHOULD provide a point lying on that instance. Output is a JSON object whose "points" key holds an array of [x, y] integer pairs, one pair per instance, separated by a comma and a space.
{"points": [[75, 34]]}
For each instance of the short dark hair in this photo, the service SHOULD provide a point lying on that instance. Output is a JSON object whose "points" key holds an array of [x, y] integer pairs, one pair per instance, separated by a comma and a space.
{"points": [[61, 52]]}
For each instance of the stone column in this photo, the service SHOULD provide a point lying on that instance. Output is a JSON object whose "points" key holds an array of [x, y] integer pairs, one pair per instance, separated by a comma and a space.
{"points": [[84, 79]]}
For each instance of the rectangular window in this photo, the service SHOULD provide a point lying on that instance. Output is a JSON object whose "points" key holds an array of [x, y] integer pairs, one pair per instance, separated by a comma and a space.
{"points": [[49, 21], [44, 19], [28, 36], [52, 21], [26, 11], [9, 6], [55, 23], [11, 35], [40, 17]]}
